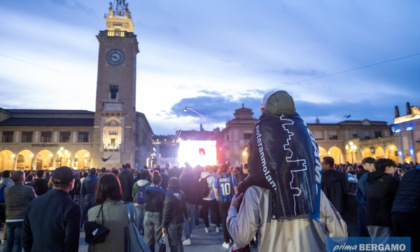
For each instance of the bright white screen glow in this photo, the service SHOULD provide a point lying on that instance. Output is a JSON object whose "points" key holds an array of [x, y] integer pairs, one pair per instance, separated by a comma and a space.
{"points": [[197, 153]]}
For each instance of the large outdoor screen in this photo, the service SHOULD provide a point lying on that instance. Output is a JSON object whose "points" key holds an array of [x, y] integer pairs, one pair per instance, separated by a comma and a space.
{"points": [[197, 153]]}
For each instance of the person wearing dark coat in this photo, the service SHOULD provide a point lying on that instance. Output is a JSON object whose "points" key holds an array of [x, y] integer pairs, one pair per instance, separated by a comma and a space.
{"points": [[154, 196], [406, 208], [87, 193], [52, 221], [368, 164], [127, 182], [189, 185], [17, 197], [174, 211], [39, 184], [334, 184], [380, 192]]}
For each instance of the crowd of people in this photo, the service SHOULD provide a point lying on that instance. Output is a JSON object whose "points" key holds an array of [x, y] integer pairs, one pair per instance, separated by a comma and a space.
{"points": [[284, 199]]}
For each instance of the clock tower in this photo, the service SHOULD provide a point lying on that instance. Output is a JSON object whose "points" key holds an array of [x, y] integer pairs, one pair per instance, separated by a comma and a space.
{"points": [[115, 114]]}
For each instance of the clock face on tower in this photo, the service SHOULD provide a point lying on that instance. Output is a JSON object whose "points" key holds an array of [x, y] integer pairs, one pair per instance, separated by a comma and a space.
{"points": [[115, 57]]}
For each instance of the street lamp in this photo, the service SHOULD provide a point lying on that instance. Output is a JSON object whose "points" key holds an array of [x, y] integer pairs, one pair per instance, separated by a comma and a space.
{"points": [[351, 147], [190, 109]]}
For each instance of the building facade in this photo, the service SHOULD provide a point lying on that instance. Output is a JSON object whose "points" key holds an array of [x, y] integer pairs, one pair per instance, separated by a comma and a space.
{"points": [[407, 131], [114, 134]]}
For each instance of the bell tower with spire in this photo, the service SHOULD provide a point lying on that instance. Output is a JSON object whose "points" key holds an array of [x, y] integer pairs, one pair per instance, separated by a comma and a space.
{"points": [[115, 114]]}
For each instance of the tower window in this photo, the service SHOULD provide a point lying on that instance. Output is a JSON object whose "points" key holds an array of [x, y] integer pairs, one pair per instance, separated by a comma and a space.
{"points": [[113, 89]]}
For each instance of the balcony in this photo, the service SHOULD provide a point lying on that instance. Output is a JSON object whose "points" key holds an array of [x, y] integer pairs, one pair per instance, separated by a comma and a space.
{"points": [[112, 147]]}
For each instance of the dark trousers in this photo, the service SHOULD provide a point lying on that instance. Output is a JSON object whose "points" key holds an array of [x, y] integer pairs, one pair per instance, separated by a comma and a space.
{"points": [[14, 236], [223, 209], [175, 237], [214, 209], [361, 222], [406, 225]]}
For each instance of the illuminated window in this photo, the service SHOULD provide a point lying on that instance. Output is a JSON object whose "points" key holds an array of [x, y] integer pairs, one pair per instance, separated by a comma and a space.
{"points": [[7, 137], [26, 137], [46, 136]]}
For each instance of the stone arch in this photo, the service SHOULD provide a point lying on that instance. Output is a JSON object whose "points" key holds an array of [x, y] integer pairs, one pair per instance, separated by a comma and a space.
{"points": [[82, 159], [245, 155], [44, 160], [379, 152], [63, 158], [322, 152], [337, 154], [7, 160], [24, 160], [366, 152], [392, 153]]}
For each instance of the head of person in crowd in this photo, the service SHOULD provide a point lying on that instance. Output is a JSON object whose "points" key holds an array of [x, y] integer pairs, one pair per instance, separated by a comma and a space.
{"points": [[156, 178], [145, 175], [108, 187], [368, 164], [18, 177], [30, 177], [174, 184], [278, 102], [5, 174], [224, 168], [126, 166], [92, 171], [103, 170], [327, 163], [115, 171], [63, 179], [157, 168], [385, 165], [40, 174], [209, 168], [245, 168], [350, 169]]}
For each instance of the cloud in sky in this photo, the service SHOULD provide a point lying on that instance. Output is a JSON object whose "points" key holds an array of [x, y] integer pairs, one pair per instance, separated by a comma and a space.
{"points": [[215, 55]]}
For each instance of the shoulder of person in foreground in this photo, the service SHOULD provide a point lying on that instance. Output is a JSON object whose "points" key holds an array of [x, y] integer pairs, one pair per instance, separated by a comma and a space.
{"points": [[242, 223], [331, 220]]}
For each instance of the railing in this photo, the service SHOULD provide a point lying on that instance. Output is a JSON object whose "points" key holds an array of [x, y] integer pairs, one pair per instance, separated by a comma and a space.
{"points": [[112, 147], [116, 33]]}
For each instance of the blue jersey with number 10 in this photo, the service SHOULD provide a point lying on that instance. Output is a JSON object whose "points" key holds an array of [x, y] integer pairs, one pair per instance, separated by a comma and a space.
{"points": [[225, 185]]}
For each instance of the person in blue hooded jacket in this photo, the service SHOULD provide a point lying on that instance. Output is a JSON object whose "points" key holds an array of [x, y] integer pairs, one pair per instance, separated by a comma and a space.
{"points": [[87, 193]]}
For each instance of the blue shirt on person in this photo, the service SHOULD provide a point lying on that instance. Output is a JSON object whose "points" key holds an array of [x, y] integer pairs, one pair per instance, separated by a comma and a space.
{"points": [[225, 184]]}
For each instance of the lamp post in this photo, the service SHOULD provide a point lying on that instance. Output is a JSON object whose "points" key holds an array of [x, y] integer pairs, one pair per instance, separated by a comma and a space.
{"points": [[351, 148], [190, 109]]}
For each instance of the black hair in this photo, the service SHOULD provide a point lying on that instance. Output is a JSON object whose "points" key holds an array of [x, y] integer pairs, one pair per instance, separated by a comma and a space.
{"points": [[382, 163], [174, 183], [156, 178], [368, 160], [329, 160]]}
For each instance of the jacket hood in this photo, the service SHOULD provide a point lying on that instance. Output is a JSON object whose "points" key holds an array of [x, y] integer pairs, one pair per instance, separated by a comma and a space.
{"points": [[374, 176], [278, 102], [142, 182]]}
